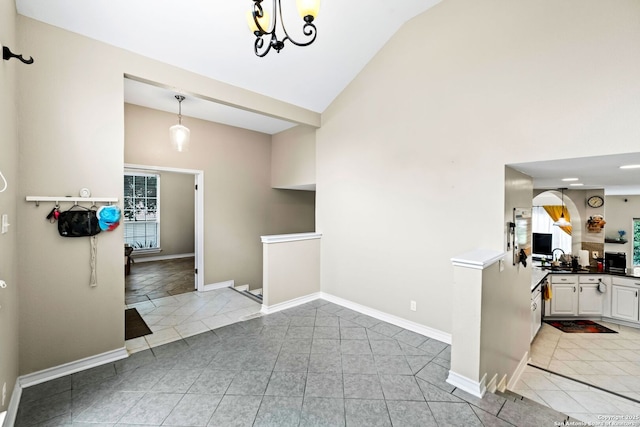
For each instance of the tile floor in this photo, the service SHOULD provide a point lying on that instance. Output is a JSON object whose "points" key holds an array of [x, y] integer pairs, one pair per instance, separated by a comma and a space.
{"points": [[175, 317], [610, 361], [318, 364], [314, 365], [158, 279]]}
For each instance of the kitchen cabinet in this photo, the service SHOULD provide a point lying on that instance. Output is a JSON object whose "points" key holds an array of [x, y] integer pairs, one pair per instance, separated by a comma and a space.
{"points": [[624, 302], [564, 295], [536, 311], [590, 299], [574, 295]]}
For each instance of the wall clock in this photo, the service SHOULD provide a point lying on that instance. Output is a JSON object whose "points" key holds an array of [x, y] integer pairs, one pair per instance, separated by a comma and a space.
{"points": [[595, 201]]}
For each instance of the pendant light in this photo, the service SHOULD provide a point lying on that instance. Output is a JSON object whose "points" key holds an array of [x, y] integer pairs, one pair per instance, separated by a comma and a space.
{"points": [[179, 134], [562, 221]]}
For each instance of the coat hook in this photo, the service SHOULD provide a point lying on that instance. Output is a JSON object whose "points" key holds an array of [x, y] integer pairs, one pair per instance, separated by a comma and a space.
{"points": [[7, 55]]}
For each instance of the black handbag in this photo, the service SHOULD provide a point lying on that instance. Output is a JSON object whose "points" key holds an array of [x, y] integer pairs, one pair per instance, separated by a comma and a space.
{"points": [[78, 222]]}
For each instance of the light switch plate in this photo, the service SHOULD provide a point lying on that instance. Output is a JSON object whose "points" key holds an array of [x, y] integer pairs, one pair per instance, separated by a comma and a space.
{"points": [[5, 223], [594, 254]]}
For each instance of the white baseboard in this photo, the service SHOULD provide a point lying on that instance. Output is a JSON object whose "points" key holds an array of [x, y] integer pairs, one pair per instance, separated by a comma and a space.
{"points": [[476, 388], [518, 372], [140, 258], [241, 288], [289, 304], [492, 385], [502, 385], [12, 409], [45, 375], [389, 318], [219, 285], [72, 367]]}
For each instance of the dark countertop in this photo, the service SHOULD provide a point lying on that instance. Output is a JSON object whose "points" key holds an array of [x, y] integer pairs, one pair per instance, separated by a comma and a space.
{"points": [[539, 273]]}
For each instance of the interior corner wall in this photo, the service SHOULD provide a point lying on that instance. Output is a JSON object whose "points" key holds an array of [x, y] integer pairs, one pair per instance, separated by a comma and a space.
{"points": [[411, 155], [239, 203], [9, 168], [71, 135], [293, 158], [506, 295]]}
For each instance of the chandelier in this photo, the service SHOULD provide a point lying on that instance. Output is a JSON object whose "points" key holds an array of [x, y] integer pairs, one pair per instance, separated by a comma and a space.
{"points": [[265, 26], [179, 134]]}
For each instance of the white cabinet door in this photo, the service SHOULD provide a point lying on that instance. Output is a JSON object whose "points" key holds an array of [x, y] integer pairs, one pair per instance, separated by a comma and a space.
{"points": [[624, 303], [536, 314], [564, 299], [590, 300]]}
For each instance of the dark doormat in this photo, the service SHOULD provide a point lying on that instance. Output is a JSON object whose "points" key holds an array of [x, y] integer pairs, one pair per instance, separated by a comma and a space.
{"points": [[579, 326], [134, 326]]}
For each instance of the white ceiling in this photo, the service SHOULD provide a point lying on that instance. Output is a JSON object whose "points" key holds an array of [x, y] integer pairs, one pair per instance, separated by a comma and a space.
{"points": [[601, 172], [211, 38]]}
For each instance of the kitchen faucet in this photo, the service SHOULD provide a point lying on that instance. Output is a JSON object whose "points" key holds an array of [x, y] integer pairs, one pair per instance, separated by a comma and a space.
{"points": [[554, 251]]}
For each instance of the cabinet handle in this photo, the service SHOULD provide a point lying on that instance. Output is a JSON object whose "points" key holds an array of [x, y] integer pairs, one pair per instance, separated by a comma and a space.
{"points": [[574, 289]]}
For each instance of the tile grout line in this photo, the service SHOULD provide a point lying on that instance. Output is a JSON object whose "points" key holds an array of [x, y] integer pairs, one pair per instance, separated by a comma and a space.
{"points": [[585, 383]]}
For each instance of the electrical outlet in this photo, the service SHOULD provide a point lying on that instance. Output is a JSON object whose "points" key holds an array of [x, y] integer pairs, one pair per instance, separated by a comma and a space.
{"points": [[4, 393], [594, 254], [413, 306]]}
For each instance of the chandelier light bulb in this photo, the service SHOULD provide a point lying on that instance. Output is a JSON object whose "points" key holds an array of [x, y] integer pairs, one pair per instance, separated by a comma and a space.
{"points": [[178, 134]]}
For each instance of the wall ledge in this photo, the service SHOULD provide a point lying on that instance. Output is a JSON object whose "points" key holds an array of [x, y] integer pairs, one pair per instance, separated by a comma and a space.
{"points": [[477, 259], [280, 238]]}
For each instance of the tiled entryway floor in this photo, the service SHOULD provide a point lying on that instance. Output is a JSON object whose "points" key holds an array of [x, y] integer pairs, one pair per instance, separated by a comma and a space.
{"points": [[158, 279], [318, 364], [609, 361], [175, 317]]}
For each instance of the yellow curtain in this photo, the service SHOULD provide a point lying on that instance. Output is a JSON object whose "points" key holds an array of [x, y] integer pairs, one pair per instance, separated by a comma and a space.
{"points": [[555, 212]]}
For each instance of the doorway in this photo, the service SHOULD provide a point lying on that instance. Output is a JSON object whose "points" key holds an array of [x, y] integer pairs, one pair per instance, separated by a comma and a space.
{"points": [[198, 200]]}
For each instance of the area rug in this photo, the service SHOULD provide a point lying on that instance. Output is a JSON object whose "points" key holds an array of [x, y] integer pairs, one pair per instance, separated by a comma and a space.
{"points": [[134, 325], [579, 326]]}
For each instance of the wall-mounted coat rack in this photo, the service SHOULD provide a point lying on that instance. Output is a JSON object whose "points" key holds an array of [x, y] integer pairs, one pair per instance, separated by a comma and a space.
{"points": [[74, 200], [7, 55]]}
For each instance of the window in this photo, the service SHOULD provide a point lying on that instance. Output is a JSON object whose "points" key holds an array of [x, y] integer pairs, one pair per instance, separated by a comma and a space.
{"points": [[142, 211], [636, 241]]}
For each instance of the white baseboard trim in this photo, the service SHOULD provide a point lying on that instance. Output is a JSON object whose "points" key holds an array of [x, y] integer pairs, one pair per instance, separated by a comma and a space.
{"points": [[502, 385], [241, 288], [72, 367], [12, 409], [492, 385], [219, 285], [476, 388], [389, 318], [141, 258], [522, 365], [289, 304]]}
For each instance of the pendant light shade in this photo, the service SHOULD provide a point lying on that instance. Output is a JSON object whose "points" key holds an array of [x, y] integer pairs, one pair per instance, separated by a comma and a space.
{"points": [[179, 135], [562, 221]]}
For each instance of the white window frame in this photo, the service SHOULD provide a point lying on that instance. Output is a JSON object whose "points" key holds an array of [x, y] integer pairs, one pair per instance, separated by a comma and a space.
{"points": [[157, 220]]}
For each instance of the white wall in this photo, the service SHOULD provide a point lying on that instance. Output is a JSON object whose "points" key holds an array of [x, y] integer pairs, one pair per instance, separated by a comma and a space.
{"points": [[619, 214], [411, 155]]}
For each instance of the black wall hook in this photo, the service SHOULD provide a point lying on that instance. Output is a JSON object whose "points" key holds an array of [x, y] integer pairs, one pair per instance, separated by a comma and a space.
{"points": [[7, 55]]}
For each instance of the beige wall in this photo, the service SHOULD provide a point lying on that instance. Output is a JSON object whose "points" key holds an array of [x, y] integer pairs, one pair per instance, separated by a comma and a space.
{"points": [[291, 270], [240, 204], [71, 109], [506, 295], [411, 155], [177, 213], [293, 158], [9, 168]]}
